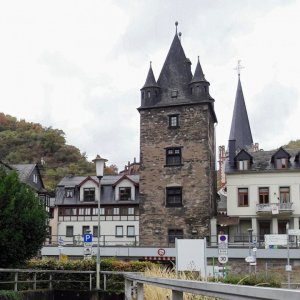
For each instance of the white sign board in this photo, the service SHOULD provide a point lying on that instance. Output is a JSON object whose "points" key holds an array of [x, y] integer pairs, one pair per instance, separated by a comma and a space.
{"points": [[223, 248], [294, 231], [275, 240], [191, 255], [275, 209]]}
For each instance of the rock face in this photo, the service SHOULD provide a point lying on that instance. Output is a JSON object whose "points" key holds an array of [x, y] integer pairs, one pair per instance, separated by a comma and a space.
{"points": [[177, 153]]}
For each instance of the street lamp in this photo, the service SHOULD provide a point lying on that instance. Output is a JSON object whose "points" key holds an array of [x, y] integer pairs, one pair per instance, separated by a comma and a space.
{"points": [[99, 162]]}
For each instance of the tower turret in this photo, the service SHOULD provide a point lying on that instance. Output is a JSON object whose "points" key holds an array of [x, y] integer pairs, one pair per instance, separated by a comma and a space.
{"points": [[150, 92]]}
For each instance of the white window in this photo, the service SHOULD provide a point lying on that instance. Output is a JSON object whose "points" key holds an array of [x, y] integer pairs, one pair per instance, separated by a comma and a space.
{"points": [[130, 210], [243, 164], [35, 178], [130, 231], [119, 231], [116, 211]]}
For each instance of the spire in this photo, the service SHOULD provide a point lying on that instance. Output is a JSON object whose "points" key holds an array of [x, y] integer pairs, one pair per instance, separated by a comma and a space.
{"points": [[176, 71], [198, 76], [150, 81], [240, 127]]}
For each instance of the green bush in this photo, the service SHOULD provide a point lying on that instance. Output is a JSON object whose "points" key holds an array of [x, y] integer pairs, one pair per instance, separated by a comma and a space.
{"points": [[114, 282], [259, 279], [10, 295]]}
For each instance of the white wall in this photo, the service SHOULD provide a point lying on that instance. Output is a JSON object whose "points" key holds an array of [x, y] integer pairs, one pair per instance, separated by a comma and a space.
{"points": [[253, 182]]}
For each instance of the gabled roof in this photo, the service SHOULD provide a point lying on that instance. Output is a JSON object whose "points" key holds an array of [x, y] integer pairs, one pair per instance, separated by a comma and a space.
{"points": [[25, 172], [262, 162], [243, 155], [280, 153], [88, 178], [150, 81], [124, 177], [240, 127]]}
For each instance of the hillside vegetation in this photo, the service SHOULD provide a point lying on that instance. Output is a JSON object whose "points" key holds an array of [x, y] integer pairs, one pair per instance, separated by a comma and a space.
{"points": [[25, 142]]}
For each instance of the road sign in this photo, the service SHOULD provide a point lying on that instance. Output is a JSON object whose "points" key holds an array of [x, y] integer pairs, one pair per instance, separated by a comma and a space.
{"points": [[223, 259], [60, 241], [250, 259], [87, 237], [223, 248]]}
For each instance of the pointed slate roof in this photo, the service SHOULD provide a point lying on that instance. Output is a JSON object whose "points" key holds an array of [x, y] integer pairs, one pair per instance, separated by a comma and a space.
{"points": [[199, 75], [150, 81], [240, 127], [176, 71]]}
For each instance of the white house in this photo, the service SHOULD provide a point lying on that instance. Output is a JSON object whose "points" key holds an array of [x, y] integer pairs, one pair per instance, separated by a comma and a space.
{"points": [[76, 209], [263, 192]]}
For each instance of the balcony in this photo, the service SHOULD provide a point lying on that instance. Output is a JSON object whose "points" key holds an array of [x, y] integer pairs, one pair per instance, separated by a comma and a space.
{"points": [[274, 208]]}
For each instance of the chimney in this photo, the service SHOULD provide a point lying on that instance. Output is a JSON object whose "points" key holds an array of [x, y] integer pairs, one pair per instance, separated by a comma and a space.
{"points": [[231, 152]]}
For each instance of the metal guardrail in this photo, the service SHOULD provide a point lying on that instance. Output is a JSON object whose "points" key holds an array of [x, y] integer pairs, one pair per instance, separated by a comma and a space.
{"points": [[32, 278], [220, 290]]}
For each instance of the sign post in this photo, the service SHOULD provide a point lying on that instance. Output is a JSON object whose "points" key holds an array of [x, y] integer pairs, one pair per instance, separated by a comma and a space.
{"points": [[88, 243], [223, 248]]}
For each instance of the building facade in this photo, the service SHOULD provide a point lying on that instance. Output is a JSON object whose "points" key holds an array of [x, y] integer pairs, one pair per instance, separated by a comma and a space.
{"points": [[263, 193], [76, 209], [177, 152]]}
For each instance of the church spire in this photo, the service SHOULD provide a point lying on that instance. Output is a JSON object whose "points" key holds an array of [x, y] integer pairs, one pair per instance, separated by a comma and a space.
{"points": [[240, 127]]}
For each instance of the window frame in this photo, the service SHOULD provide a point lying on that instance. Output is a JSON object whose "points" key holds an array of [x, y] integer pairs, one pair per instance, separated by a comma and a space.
{"points": [[171, 118], [95, 230], [89, 194], [281, 163], [243, 197], [68, 229], [286, 194], [177, 233], [122, 195], [171, 193], [173, 157], [263, 193], [243, 165], [127, 231], [69, 193], [117, 234]]}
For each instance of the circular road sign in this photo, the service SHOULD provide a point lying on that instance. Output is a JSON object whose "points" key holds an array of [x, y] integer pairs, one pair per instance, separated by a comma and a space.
{"points": [[223, 259], [161, 252]]}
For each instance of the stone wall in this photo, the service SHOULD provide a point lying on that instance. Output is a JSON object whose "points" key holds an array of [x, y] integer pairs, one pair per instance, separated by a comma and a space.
{"points": [[195, 175]]}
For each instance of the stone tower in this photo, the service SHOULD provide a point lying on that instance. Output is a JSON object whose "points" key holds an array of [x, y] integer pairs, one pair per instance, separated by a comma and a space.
{"points": [[177, 152]]}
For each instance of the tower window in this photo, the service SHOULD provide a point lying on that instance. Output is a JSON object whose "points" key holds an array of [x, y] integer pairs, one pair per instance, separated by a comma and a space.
{"points": [[143, 95], [174, 234], [174, 121], [173, 156], [148, 94], [173, 196]]}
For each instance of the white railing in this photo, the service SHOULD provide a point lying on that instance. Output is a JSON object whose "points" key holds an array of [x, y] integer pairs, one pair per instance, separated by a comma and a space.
{"points": [[219, 290], [269, 207]]}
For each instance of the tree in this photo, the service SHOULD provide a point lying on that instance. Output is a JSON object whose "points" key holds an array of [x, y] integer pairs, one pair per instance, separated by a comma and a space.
{"points": [[22, 221]]}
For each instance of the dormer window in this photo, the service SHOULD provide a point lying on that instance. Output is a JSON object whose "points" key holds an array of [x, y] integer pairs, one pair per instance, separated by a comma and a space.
{"points": [[281, 163], [89, 194], [125, 193], [35, 178], [243, 165], [174, 94], [69, 193]]}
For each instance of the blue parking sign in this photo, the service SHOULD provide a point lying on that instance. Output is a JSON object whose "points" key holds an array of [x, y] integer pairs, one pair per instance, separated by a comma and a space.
{"points": [[87, 237]]}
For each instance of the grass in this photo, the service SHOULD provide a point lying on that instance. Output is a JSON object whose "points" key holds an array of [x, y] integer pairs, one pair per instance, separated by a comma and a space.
{"points": [[156, 293]]}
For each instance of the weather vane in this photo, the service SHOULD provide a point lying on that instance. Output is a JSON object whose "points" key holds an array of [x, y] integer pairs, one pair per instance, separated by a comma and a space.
{"points": [[239, 67]]}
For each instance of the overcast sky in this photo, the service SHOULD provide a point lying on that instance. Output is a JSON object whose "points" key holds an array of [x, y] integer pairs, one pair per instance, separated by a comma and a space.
{"points": [[79, 65]]}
